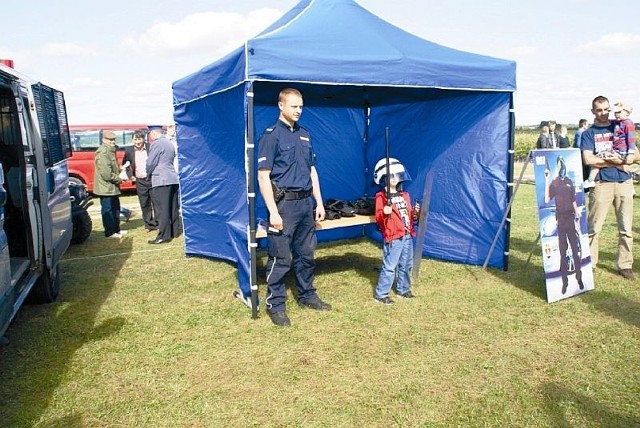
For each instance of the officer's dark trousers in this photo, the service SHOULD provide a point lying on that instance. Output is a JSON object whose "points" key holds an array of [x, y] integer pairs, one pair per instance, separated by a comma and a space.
{"points": [[165, 204], [295, 245], [567, 235]]}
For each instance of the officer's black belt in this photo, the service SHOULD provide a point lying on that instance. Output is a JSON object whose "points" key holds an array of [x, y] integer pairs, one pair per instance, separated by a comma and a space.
{"points": [[295, 195]]}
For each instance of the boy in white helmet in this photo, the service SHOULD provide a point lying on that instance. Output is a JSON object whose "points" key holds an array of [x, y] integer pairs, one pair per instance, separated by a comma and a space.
{"points": [[396, 219]]}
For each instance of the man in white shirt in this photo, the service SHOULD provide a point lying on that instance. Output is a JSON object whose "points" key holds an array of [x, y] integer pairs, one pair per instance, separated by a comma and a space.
{"points": [[137, 155]]}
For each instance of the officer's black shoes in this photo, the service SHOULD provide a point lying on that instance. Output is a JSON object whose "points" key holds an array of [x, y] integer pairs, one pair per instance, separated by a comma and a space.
{"points": [[315, 303], [280, 318], [564, 287], [580, 284]]}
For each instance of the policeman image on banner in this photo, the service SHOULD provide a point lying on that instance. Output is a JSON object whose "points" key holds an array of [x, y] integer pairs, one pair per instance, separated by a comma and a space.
{"points": [[287, 178], [563, 191]]}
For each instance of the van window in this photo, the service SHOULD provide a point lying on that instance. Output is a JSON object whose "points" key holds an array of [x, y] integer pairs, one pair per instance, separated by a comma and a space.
{"points": [[85, 141], [52, 118], [9, 130], [89, 141]]}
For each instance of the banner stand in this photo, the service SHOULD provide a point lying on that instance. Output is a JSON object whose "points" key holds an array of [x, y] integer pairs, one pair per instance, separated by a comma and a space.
{"points": [[527, 161], [535, 245]]}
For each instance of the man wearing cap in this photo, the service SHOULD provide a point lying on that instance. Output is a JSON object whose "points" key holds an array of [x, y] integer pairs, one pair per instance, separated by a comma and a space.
{"points": [[106, 183], [613, 186]]}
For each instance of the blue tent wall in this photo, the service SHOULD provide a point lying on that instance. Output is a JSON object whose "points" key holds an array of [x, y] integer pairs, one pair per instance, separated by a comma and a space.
{"points": [[212, 174], [467, 153], [448, 112]]}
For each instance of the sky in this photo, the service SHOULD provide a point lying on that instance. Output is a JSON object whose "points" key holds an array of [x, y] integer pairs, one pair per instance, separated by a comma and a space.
{"points": [[116, 60]]}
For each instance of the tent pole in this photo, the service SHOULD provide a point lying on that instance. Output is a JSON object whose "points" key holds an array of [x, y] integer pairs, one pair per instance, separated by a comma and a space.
{"points": [[512, 145], [507, 211], [365, 139], [251, 195]]}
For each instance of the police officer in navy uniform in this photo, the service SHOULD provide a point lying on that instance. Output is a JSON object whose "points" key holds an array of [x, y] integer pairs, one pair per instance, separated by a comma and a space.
{"points": [[567, 213], [288, 178]]}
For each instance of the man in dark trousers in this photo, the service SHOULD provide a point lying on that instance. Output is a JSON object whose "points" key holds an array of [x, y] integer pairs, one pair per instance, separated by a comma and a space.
{"points": [[563, 190], [136, 156], [106, 184], [164, 187], [288, 178]]}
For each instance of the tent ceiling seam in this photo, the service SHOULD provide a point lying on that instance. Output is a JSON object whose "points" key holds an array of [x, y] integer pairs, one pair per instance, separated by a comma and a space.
{"points": [[342, 84]]}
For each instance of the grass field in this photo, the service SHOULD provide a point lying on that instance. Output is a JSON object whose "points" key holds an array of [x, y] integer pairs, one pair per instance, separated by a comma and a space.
{"points": [[142, 336]]}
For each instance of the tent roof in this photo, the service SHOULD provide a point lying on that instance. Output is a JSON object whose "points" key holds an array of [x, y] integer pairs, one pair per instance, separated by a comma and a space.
{"points": [[359, 49]]}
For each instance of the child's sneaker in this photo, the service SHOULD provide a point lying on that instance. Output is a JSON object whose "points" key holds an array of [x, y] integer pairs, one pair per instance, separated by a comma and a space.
{"points": [[384, 300], [407, 295], [588, 183]]}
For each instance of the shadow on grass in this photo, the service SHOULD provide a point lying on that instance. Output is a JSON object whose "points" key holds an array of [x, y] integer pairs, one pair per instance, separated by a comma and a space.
{"points": [[364, 265], [70, 421], [564, 405], [616, 306], [45, 338], [523, 273], [530, 277], [367, 267]]}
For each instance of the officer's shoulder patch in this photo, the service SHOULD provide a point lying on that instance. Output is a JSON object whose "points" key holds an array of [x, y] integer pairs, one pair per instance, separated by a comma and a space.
{"points": [[269, 130]]}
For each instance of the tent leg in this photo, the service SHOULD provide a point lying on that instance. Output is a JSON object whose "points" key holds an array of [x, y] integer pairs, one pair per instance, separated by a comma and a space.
{"points": [[251, 197], [507, 211]]}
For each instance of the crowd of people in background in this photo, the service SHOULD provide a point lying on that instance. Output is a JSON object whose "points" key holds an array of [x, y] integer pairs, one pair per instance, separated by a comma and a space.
{"points": [[151, 163]]}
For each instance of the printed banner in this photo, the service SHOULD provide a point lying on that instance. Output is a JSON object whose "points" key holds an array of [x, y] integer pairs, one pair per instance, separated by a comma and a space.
{"points": [[563, 223]]}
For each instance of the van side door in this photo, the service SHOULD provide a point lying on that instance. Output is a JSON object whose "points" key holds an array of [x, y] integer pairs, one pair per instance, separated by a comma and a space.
{"points": [[53, 179]]}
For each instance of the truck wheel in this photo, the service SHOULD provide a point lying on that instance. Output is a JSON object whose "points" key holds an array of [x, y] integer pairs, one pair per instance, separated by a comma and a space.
{"points": [[82, 226], [46, 288]]}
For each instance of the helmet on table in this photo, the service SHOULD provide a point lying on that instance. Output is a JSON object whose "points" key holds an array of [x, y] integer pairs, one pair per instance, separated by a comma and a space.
{"points": [[396, 169]]}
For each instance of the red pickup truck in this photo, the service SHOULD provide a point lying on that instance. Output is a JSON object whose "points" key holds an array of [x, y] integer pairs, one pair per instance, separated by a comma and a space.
{"points": [[85, 139]]}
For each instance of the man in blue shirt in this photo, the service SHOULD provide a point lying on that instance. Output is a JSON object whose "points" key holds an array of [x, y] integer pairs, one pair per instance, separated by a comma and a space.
{"points": [[582, 126], [614, 185], [577, 142], [288, 178]]}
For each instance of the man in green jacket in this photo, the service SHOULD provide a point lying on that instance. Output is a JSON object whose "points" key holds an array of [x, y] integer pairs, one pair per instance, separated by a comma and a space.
{"points": [[106, 185]]}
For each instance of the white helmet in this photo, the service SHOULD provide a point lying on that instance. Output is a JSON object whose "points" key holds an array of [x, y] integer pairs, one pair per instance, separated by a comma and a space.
{"points": [[395, 168]]}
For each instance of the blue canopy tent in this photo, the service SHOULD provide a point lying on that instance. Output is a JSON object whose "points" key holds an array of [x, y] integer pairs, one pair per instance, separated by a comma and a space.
{"points": [[450, 115]]}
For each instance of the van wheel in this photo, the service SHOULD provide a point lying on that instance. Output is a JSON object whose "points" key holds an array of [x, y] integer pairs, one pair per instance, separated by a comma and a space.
{"points": [[82, 226], [76, 180], [46, 288]]}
